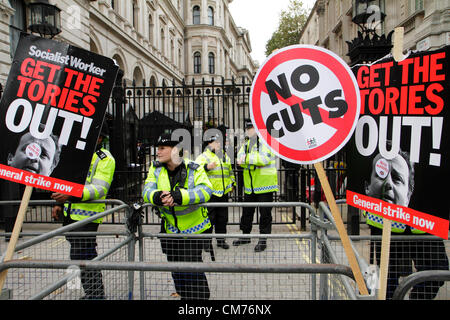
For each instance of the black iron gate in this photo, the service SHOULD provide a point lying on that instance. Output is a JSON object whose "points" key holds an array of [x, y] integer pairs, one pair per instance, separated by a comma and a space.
{"points": [[138, 114]]}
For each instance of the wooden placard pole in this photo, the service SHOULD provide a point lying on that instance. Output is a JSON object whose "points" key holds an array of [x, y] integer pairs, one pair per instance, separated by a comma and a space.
{"points": [[16, 230], [341, 229], [397, 53]]}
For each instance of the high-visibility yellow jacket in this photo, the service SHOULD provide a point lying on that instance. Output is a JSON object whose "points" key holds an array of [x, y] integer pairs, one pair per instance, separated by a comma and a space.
{"points": [[96, 187], [396, 227], [222, 176], [189, 216], [260, 172]]}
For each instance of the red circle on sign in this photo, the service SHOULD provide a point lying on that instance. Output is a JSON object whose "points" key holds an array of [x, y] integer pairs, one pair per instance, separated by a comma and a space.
{"points": [[345, 125]]}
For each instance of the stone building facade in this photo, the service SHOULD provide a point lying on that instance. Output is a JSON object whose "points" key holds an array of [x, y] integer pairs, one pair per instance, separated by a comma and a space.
{"points": [[426, 24], [151, 40]]}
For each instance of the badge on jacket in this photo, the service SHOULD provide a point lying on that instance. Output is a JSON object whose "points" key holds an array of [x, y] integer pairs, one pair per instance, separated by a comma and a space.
{"points": [[101, 154]]}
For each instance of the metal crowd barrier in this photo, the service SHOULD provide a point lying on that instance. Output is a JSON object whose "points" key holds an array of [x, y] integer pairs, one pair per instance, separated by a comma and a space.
{"points": [[361, 245], [134, 266]]}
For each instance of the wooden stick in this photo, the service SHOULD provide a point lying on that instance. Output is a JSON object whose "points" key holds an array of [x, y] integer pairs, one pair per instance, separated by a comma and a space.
{"points": [[397, 52], [384, 262], [341, 229], [15, 234]]}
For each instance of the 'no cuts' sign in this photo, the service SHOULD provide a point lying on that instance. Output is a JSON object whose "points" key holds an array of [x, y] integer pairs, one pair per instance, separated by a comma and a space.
{"points": [[304, 103]]}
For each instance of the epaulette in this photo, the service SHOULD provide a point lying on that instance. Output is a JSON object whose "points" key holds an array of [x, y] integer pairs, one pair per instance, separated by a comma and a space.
{"points": [[101, 154], [193, 165], [157, 164]]}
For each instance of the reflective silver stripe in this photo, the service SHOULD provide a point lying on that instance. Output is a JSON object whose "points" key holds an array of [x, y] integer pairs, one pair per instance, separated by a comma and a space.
{"points": [[269, 166], [92, 188], [191, 179], [218, 176], [200, 195], [101, 183], [215, 170], [187, 210], [150, 185], [191, 196], [183, 212], [94, 167], [157, 172]]}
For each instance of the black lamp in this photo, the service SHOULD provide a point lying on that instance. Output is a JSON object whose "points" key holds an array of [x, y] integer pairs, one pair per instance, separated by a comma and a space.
{"points": [[45, 19], [368, 11], [368, 46]]}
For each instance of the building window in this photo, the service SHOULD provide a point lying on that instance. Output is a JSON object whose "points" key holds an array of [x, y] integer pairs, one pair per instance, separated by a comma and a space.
{"points": [[210, 16], [17, 24], [197, 62], [196, 15], [135, 15], [415, 5], [211, 109], [150, 28], [163, 42], [198, 108], [211, 63]]}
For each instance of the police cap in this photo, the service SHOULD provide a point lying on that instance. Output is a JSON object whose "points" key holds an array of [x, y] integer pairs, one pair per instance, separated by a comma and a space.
{"points": [[166, 140]]}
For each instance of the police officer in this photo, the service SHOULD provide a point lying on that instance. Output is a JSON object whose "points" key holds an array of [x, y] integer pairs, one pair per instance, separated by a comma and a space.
{"points": [[217, 165], [98, 182], [260, 182], [178, 187]]}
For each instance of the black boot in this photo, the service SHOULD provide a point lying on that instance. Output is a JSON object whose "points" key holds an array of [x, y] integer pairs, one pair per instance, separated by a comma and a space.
{"points": [[221, 243], [261, 246], [240, 241]]}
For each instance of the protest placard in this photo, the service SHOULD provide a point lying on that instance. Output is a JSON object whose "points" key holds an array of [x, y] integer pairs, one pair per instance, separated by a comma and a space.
{"points": [[51, 113], [403, 111], [304, 104]]}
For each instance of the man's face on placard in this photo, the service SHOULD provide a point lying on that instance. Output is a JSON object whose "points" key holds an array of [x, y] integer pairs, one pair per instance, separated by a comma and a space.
{"points": [[34, 155], [389, 180]]}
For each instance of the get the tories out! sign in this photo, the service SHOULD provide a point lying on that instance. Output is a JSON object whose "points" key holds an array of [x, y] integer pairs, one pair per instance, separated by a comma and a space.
{"points": [[51, 114], [404, 116]]}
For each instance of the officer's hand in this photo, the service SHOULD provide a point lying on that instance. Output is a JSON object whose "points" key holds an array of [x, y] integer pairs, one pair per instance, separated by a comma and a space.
{"points": [[56, 212], [211, 165], [167, 199], [60, 197]]}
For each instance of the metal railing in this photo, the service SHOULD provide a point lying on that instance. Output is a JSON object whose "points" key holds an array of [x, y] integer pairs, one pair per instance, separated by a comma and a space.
{"points": [[287, 269]]}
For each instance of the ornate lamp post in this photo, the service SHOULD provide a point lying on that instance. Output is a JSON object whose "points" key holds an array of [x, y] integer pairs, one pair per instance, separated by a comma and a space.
{"points": [[45, 19], [368, 46]]}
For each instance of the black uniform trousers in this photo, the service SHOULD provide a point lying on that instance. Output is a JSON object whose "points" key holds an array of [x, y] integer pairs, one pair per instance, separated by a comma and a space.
{"points": [[84, 248], [426, 254], [218, 215], [265, 220], [189, 285]]}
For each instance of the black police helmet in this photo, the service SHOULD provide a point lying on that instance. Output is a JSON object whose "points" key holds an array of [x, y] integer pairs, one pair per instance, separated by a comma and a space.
{"points": [[166, 140]]}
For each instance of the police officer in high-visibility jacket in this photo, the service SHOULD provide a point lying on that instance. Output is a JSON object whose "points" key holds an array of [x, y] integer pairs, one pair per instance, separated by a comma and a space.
{"points": [[260, 183], [98, 182], [178, 187], [217, 165]]}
